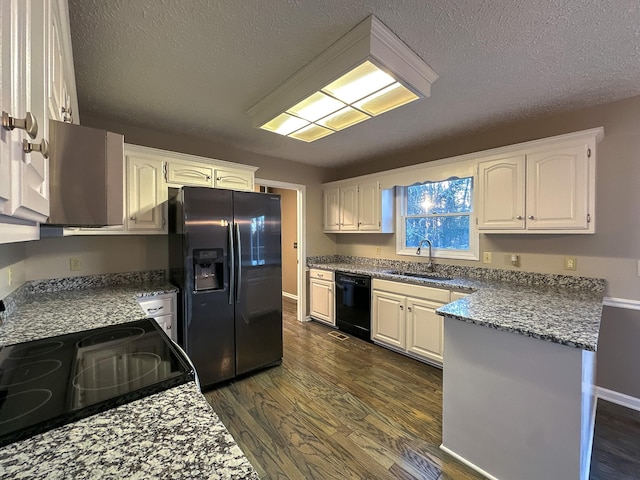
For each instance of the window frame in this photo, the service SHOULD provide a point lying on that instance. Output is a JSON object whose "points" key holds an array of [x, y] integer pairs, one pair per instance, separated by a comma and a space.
{"points": [[474, 237]]}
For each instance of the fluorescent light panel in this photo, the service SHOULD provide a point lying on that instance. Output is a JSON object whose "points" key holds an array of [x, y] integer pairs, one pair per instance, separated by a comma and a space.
{"points": [[364, 91], [361, 93]]}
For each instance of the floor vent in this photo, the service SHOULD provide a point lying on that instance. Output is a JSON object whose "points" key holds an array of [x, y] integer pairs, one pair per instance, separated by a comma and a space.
{"points": [[338, 335]]}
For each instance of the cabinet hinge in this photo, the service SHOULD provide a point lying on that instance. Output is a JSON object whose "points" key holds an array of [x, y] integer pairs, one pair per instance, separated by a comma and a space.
{"points": [[476, 220], [380, 224], [588, 218], [588, 153], [477, 170], [165, 171]]}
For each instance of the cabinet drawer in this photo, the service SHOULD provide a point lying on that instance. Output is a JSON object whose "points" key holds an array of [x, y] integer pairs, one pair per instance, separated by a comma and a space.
{"points": [[321, 274], [418, 291], [157, 306]]}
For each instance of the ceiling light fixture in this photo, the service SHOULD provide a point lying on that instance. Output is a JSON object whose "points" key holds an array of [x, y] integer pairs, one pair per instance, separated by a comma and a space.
{"points": [[365, 73]]}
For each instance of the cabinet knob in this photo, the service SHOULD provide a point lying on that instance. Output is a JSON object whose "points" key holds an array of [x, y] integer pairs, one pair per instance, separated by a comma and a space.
{"points": [[133, 219], [29, 123], [530, 217], [408, 309], [519, 217], [401, 307], [42, 147], [218, 179]]}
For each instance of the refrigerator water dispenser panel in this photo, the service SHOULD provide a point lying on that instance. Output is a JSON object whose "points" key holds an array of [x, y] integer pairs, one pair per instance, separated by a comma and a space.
{"points": [[208, 269]]}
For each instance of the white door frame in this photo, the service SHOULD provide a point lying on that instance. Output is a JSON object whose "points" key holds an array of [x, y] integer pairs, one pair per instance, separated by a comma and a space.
{"points": [[301, 234]]}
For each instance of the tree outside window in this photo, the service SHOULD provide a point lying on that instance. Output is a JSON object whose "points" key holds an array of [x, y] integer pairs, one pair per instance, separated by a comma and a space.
{"points": [[441, 212]]}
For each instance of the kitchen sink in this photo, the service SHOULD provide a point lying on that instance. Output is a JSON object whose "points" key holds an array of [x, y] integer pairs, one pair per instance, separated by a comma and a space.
{"points": [[426, 276]]}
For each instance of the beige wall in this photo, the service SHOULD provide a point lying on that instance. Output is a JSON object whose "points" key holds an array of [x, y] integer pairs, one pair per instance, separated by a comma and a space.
{"points": [[289, 206], [612, 253], [49, 257]]}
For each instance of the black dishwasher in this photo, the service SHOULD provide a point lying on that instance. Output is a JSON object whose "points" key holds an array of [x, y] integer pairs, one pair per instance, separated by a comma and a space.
{"points": [[353, 304]]}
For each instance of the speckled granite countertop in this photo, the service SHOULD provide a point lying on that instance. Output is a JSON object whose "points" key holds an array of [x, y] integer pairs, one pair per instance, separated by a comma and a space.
{"points": [[556, 308], [173, 434]]}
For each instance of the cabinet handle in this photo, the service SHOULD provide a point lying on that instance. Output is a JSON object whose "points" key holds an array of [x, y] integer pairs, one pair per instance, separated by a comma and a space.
{"points": [[154, 310], [530, 217], [519, 217], [320, 275], [42, 147], [29, 123]]}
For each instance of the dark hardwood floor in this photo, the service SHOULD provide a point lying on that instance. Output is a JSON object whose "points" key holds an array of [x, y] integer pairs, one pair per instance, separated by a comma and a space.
{"points": [[349, 409]]}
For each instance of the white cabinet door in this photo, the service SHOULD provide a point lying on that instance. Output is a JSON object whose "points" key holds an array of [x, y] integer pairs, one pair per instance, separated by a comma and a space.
{"points": [[557, 189], [234, 179], [146, 195], [369, 207], [181, 174], [322, 301], [331, 209], [501, 194], [349, 208], [388, 317], [425, 329], [24, 188]]}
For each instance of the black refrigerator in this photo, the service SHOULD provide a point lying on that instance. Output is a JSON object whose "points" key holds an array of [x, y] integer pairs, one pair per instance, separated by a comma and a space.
{"points": [[225, 256]]}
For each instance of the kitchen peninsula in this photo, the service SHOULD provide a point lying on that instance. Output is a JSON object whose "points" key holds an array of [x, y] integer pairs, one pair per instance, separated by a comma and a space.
{"points": [[519, 363], [170, 434]]}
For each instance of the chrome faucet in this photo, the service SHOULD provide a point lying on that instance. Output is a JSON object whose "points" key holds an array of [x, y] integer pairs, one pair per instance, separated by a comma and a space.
{"points": [[430, 262]]}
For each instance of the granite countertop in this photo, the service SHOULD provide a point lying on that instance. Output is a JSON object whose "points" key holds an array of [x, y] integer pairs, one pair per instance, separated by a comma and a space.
{"points": [[172, 434], [556, 308]]}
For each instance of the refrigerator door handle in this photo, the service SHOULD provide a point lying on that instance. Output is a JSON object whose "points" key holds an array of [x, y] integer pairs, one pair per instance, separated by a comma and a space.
{"points": [[239, 246], [232, 263]]}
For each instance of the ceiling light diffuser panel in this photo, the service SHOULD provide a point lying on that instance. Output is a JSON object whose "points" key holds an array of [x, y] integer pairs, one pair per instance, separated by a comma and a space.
{"points": [[367, 72]]}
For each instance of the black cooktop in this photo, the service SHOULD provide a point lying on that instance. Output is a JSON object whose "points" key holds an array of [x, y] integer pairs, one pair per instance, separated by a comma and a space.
{"points": [[48, 383]]}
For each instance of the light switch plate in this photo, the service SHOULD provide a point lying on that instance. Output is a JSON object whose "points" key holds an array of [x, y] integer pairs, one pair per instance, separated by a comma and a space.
{"points": [[486, 257], [75, 265], [570, 263]]}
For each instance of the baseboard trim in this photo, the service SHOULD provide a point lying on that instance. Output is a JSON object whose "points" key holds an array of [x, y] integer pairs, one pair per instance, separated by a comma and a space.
{"points": [[467, 463], [622, 303], [290, 295], [618, 398]]}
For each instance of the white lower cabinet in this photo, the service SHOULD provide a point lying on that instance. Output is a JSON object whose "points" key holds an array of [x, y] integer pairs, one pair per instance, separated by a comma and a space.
{"points": [[321, 296], [162, 308], [404, 318]]}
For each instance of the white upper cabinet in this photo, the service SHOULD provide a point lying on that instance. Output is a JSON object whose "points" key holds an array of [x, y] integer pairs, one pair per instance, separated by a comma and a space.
{"points": [[501, 193], [189, 174], [234, 179], [547, 188], [146, 195], [358, 207], [349, 208], [331, 209], [35, 50]]}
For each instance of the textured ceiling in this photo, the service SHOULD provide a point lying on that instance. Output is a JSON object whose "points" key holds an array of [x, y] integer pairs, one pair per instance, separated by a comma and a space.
{"points": [[196, 66]]}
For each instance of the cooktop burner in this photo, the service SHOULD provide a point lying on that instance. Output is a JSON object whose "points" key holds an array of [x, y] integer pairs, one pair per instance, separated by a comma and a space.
{"points": [[48, 383]]}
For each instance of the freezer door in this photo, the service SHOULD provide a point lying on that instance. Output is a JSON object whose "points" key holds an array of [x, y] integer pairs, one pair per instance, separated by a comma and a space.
{"points": [[208, 323], [258, 313]]}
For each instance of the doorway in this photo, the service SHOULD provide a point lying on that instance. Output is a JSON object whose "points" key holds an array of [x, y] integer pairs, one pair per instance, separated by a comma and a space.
{"points": [[296, 260]]}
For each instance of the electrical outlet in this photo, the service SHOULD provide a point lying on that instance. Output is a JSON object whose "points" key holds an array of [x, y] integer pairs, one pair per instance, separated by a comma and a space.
{"points": [[486, 257], [570, 263], [75, 265], [515, 259], [377, 250]]}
